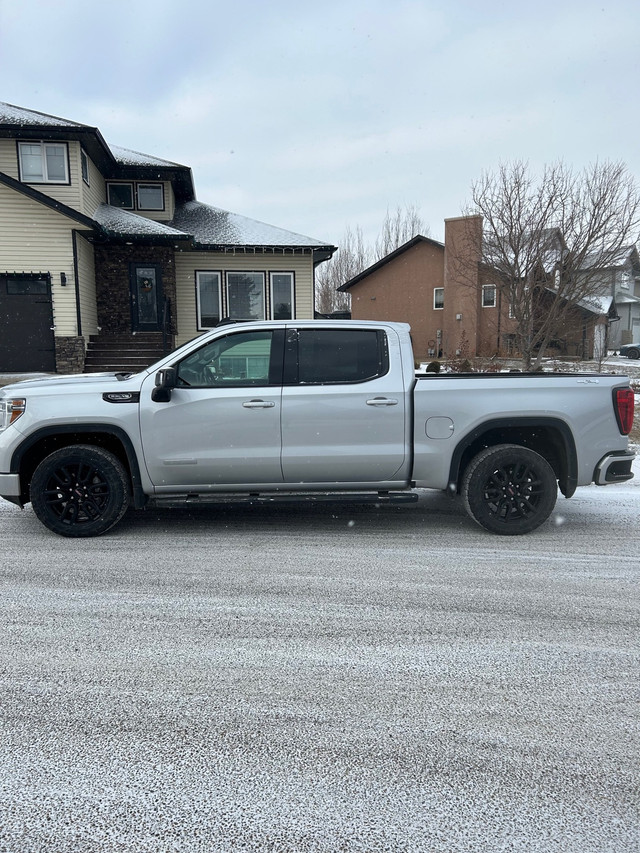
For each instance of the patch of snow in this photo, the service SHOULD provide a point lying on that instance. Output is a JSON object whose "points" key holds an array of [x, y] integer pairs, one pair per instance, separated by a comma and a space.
{"points": [[126, 157], [124, 222], [10, 114], [213, 226]]}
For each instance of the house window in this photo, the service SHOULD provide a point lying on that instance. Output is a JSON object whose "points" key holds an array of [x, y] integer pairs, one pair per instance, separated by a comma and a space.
{"points": [[84, 166], [281, 285], [208, 299], [489, 296], [624, 281], [438, 298], [150, 197], [245, 295], [120, 195], [44, 162]]}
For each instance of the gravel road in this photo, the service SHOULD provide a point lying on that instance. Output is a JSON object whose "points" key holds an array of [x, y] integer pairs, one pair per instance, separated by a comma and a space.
{"points": [[321, 678]]}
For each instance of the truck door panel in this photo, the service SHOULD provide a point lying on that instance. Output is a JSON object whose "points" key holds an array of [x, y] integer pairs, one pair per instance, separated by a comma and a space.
{"points": [[343, 407], [222, 424]]}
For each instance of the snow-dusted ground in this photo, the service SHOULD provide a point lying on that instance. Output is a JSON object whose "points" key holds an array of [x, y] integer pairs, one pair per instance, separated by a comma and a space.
{"points": [[323, 679]]}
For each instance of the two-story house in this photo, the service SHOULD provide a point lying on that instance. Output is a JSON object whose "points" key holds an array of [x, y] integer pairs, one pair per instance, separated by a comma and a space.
{"points": [[456, 309], [107, 257]]}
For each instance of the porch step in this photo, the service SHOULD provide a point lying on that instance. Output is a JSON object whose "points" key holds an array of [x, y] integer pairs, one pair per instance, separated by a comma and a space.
{"points": [[130, 353]]}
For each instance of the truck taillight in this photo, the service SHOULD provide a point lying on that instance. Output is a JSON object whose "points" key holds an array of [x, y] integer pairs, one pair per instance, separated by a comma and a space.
{"points": [[623, 400]]}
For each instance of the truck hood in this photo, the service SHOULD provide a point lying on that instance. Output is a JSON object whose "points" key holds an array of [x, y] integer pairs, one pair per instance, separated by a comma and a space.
{"points": [[49, 383]]}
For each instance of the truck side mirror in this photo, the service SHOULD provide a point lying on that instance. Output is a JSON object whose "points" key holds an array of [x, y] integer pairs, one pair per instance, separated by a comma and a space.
{"points": [[165, 382]]}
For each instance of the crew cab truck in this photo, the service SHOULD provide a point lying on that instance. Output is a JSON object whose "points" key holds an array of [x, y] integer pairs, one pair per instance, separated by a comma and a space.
{"points": [[315, 409]]}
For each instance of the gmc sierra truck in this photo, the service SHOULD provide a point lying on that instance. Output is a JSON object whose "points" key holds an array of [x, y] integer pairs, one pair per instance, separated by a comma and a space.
{"points": [[313, 409]]}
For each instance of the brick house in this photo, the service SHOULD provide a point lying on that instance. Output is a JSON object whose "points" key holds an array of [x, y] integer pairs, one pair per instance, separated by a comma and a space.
{"points": [[453, 303], [107, 258]]}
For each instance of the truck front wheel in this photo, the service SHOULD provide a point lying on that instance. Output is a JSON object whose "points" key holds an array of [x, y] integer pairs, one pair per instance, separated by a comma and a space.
{"points": [[509, 489], [80, 491]]}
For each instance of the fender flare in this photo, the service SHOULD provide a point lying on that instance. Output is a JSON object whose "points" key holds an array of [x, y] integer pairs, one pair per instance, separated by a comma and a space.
{"points": [[139, 496], [568, 481]]}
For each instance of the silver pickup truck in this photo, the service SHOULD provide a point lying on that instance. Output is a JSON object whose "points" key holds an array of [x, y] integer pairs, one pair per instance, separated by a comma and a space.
{"points": [[273, 410]]}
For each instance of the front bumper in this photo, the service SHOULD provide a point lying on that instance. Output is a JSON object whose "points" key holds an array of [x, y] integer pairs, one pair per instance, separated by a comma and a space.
{"points": [[10, 487], [614, 468]]}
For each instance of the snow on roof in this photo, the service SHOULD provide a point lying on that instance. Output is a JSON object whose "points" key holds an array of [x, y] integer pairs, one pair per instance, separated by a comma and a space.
{"points": [[213, 226], [10, 114], [123, 222], [596, 304], [126, 157]]}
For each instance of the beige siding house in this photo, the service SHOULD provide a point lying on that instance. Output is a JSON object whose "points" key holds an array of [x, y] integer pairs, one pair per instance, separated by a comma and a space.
{"points": [[107, 259]]}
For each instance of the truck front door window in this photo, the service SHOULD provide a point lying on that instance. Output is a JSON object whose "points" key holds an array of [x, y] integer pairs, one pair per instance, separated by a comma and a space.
{"points": [[236, 360]]}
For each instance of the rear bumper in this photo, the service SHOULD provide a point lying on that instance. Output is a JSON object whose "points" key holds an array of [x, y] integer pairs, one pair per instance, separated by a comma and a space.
{"points": [[614, 468]]}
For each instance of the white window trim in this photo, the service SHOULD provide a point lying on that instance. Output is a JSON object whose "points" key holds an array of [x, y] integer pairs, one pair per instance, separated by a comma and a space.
{"points": [[217, 273], [438, 290], [485, 289], [84, 166], [292, 279], [150, 184], [264, 290], [122, 184], [43, 149]]}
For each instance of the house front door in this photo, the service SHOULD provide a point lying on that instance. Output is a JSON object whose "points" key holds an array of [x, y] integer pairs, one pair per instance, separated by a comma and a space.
{"points": [[145, 284]]}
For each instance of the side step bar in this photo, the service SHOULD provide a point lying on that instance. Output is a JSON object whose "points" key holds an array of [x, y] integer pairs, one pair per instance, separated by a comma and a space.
{"points": [[284, 497]]}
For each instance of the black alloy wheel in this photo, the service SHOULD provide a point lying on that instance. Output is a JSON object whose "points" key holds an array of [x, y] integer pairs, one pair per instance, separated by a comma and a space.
{"points": [[509, 489], [80, 491]]}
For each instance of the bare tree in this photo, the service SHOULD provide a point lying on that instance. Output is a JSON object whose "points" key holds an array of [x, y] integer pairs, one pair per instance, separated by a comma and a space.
{"points": [[398, 228], [350, 259], [354, 256], [549, 241]]}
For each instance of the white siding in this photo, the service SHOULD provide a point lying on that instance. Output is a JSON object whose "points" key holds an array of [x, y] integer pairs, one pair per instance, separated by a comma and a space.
{"points": [[188, 262], [9, 158], [87, 287], [34, 238], [94, 194]]}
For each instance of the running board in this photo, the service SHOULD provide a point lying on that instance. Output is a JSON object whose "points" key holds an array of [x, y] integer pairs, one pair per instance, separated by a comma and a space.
{"points": [[285, 497]]}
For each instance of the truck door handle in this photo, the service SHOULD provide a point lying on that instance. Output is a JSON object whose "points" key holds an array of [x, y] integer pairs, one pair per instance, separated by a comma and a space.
{"points": [[258, 404], [382, 401]]}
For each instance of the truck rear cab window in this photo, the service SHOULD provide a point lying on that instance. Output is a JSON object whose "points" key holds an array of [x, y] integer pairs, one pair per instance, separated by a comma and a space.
{"points": [[327, 356]]}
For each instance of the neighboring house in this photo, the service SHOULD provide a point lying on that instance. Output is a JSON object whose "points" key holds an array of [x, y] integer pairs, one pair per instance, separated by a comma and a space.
{"points": [[107, 258], [453, 303], [621, 283]]}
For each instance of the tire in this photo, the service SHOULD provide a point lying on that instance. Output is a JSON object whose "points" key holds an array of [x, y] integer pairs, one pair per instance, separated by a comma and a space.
{"points": [[80, 491], [509, 489], [633, 353]]}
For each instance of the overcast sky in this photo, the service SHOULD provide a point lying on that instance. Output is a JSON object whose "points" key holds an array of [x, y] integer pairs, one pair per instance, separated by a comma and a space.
{"points": [[318, 116]]}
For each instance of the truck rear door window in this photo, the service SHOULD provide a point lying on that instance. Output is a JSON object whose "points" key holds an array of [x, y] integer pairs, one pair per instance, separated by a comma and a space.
{"points": [[341, 355]]}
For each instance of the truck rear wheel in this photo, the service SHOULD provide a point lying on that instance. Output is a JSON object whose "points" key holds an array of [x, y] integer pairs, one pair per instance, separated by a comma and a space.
{"points": [[509, 489], [80, 491]]}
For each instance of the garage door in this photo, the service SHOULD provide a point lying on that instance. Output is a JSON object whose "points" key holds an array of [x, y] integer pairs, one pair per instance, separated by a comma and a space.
{"points": [[26, 321]]}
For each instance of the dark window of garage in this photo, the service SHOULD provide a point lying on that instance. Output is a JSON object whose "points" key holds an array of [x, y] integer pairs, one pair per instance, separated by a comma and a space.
{"points": [[26, 285]]}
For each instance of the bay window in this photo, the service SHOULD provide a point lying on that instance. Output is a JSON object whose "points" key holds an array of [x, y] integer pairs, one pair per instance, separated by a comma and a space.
{"points": [[245, 295], [208, 299], [281, 284]]}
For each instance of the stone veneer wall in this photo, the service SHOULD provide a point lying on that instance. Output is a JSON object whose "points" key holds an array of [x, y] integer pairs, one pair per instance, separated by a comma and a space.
{"points": [[112, 283], [70, 353]]}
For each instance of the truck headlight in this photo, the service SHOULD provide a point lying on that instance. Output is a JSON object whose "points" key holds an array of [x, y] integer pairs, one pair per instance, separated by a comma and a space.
{"points": [[10, 411]]}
